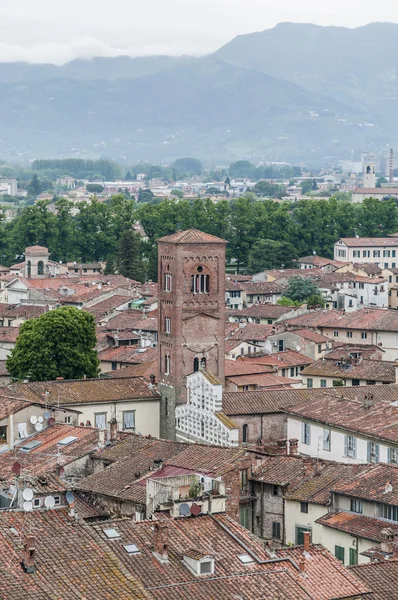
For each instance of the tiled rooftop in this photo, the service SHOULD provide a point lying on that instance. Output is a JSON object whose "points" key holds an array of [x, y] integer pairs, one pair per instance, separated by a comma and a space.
{"points": [[288, 358], [128, 354], [45, 457], [370, 484], [357, 525], [263, 311], [379, 421], [73, 561], [380, 578], [246, 403], [317, 489], [370, 370], [192, 236], [240, 367], [85, 391]]}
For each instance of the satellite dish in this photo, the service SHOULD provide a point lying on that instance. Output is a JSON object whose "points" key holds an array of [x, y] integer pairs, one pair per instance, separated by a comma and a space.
{"points": [[27, 506], [33, 419], [27, 494], [16, 468], [49, 502], [40, 419], [39, 426], [47, 415], [70, 498], [195, 509], [298, 347], [51, 421], [250, 320], [184, 510]]}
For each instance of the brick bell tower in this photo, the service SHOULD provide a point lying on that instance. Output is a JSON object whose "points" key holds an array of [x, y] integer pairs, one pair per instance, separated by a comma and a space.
{"points": [[191, 321]]}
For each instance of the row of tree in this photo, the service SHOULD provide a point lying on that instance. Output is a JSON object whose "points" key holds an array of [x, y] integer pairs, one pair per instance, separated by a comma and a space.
{"points": [[261, 233]]}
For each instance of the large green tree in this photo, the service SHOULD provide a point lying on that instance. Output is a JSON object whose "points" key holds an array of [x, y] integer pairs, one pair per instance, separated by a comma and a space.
{"points": [[300, 289], [129, 259], [60, 343], [270, 254]]}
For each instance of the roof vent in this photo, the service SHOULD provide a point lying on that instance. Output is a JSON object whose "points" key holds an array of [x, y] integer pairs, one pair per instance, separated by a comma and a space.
{"points": [[388, 488]]}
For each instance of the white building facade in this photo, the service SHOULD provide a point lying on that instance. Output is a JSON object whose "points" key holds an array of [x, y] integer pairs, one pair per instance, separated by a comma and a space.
{"points": [[202, 419]]}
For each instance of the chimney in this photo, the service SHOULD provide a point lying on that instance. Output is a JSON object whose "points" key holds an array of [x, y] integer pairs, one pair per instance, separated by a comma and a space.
{"points": [[368, 400], [116, 338], [28, 560], [302, 565], [71, 511], [387, 543], [160, 539], [282, 446], [101, 438], [388, 488], [293, 446], [306, 541], [113, 430]]}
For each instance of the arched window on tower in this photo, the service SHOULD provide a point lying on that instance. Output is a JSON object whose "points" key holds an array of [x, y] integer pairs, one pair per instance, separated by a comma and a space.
{"points": [[369, 169], [29, 269], [40, 268], [167, 364], [202, 365], [200, 282], [195, 365], [245, 433]]}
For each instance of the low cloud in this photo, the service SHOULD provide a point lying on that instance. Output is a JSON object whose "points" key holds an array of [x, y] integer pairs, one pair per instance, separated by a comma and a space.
{"points": [[87, 47]]}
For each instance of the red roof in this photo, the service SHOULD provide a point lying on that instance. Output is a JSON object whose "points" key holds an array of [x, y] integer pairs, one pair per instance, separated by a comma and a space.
{"points": [[192, 236]]}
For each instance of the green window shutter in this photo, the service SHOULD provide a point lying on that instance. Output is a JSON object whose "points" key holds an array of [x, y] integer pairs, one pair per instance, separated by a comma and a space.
{"points": [[353, 556], [339, 553]]}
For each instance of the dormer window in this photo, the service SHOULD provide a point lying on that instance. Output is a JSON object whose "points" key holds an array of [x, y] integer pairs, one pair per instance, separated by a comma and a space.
{"points": [[198, 563]]}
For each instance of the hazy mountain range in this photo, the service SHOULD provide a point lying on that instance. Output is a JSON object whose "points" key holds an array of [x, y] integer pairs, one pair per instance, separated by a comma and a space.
{"points": [[295, 92]]}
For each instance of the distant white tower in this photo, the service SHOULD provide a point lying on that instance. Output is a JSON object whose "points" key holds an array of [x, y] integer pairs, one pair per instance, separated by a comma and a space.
{"points": [[369, 176]]}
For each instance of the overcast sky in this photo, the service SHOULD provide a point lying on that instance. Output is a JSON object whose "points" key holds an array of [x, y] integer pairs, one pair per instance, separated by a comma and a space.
{"points": [[60, 30]]}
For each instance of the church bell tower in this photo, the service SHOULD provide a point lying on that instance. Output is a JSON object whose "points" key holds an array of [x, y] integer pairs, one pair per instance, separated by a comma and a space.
{"points": [[191, 315]]}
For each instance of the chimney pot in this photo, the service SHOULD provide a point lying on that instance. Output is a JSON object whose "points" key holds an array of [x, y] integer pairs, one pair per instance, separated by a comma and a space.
{"points": [[113, 430], [306, 541], [293, 446], [302, 565]]}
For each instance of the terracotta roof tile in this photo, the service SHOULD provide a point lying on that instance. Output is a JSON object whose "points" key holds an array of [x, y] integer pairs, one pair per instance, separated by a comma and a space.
{"points": [[288, 358], [192, 236], [72, 561], [85, 391], [380, 578], [357, 525], [372, 370], [268, 401], [128, 354], [378, 421]]}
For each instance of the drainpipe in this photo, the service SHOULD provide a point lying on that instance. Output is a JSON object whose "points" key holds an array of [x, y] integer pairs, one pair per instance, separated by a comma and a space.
{"points": [[262, 509]]}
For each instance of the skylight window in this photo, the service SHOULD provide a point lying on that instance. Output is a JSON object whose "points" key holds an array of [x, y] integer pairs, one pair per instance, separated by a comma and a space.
{"points": [[131, 549], [30, 446], [112, 534], [245, 559], [68, 440]]}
